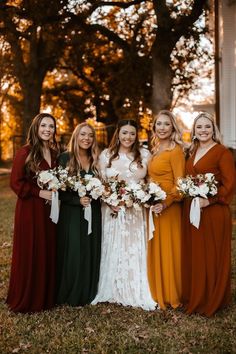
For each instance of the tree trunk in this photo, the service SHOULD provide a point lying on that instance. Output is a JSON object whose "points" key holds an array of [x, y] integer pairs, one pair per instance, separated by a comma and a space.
{"points": [[31, 89], [162, 75]]}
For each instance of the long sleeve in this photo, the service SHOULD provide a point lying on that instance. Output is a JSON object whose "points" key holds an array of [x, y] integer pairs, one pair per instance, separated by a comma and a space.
{"points": [[103, 161], [227, 179], [21, 184], [177, 162]]}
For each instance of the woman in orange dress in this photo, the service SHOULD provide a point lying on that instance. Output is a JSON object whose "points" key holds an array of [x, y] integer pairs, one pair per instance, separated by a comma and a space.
{"points": [[206, 250], [164, 254]]}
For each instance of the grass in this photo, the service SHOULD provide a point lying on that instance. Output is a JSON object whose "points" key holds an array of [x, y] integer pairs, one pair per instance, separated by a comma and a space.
{"points": [[106, 328]]}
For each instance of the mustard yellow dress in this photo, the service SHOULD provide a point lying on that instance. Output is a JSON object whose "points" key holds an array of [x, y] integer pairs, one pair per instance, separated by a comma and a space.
{"points": [[164, 249]]}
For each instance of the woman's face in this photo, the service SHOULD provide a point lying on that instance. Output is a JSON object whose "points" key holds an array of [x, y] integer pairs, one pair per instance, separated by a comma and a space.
{"points": [[85, 138], [204, 130], [163, 127], [127, 136], [46, 129]]}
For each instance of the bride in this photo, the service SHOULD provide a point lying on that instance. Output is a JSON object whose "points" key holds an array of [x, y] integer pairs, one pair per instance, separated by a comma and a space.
{"points": [[123, 270]]}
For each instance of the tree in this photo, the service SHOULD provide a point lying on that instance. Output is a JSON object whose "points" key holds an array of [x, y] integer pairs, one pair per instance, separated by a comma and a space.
{"points": [[35, 32]]}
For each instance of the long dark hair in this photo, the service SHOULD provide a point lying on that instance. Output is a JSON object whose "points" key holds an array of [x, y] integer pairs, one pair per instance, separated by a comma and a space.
{"points": [[36, 145], [73, 148], [114, 146]]}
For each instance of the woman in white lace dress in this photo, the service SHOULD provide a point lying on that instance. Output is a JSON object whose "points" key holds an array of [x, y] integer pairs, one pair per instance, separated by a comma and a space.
{"points": [[123, 270]]}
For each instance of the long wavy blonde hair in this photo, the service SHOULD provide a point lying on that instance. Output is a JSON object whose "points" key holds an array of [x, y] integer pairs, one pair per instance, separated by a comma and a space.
{"points": [[74, 163], [175, 138], [216, 133]]}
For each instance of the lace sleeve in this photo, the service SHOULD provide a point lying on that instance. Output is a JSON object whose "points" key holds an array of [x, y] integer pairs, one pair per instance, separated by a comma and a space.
{"points": [[103, 162], [145, 154]]}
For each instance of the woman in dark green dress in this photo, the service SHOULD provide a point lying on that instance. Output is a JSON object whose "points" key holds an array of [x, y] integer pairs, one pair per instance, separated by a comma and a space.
{"points": [[78, 254]]}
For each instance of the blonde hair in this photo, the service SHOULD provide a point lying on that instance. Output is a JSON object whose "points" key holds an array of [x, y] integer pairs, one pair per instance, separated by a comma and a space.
{"points": [[175, 137], [216, 133], [74, 163]]}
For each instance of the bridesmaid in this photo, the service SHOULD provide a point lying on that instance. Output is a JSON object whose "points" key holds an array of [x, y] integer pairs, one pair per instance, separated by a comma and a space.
{"points": [[32, 279], [164, 251], [78, 254], [206, 257]]}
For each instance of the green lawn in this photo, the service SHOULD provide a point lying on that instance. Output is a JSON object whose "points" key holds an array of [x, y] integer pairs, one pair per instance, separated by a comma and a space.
{"points": [[106, 328]]}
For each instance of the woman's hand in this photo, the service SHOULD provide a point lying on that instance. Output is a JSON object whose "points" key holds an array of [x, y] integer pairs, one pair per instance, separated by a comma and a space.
{"points": [[114, 208], [85, 201], [203, 202], [158, 208], [45, 194]]}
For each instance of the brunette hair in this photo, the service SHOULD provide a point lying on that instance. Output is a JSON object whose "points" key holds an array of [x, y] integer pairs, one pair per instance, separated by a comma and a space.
{"points": [[175, 137], [216, 133], [114, 146], [35, 156], [74, 163]]}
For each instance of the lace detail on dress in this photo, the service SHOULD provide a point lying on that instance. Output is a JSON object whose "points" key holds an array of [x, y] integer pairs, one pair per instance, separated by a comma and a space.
{"points": [[123, 269]]}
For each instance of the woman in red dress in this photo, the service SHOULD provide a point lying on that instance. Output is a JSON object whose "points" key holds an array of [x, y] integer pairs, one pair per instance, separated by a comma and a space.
{"points": [[206, 251], [32, 279]]}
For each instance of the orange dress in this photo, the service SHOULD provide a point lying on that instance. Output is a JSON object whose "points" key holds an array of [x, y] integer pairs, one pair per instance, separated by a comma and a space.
{"points": [[164, 250], [206, 252]]}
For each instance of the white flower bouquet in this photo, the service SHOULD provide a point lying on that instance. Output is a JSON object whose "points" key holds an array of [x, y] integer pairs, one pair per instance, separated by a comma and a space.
{"points": [[199, 186], [89, 186], [154, 194], [53, 180], [86, 186]]}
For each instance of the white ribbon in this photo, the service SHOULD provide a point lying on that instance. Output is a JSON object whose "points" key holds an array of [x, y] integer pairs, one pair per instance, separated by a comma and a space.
{"points": [[151, 226], [88, 217], [54, 214], [121, 215], [195, 212]]}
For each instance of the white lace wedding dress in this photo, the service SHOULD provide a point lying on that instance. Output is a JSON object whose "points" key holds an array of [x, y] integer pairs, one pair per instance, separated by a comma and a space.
{"points": [[123, 269]]}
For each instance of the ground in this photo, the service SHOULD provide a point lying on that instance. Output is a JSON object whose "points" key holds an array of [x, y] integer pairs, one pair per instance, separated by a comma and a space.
{"points": [[107, 328]]}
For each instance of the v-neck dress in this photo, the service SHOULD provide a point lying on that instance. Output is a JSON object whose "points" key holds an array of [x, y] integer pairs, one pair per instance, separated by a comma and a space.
{"points": [[32, 279], [78, 254], [206, 252], [164, 249]]}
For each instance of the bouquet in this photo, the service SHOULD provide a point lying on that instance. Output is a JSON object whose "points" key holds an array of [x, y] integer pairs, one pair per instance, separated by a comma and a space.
{"points": [[117, 194], [202, 185], [53, 179], [155, 194], [86, 186], [199, 186]]}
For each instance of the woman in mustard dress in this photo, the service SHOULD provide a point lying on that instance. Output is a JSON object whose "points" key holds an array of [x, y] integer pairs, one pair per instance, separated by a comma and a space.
{"points": [[164, 249]]}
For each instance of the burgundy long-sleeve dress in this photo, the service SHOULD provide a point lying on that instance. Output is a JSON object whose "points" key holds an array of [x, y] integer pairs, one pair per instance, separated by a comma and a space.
{"points": [[32, 279], [206, 252]]}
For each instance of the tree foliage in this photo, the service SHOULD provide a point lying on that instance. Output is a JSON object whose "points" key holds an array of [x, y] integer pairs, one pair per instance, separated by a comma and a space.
{"points": [[103, 59]]}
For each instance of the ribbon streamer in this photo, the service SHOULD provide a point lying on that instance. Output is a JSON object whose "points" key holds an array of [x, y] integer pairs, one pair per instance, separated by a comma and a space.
{"points": [[121, 215], [195, 212], [151, 226], [54, 214], [88, 217]]}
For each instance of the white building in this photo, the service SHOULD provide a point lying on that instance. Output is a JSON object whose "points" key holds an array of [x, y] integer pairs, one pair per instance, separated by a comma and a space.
{"points": [[227, 70]]}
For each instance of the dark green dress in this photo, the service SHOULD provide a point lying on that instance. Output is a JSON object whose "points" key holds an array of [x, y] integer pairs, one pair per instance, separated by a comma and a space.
{"points": [[78, 254]]}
